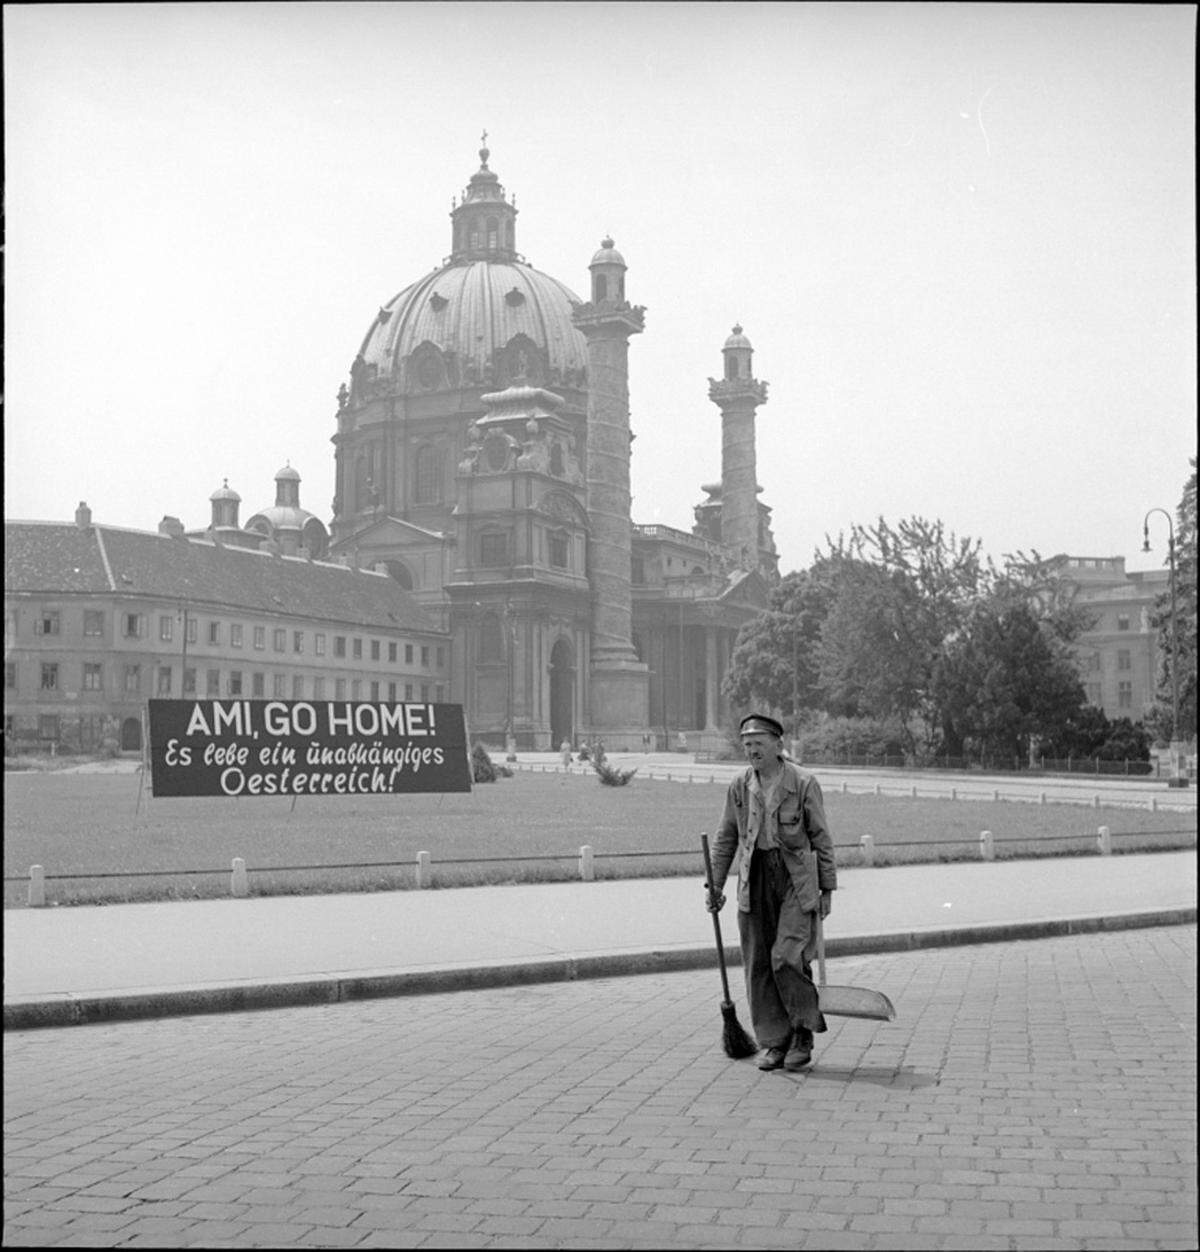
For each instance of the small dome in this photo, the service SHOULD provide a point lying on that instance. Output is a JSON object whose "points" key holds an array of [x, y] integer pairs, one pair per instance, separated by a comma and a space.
{"points": [[608, 255], [225, 492], [737, 339], [288, 472]]}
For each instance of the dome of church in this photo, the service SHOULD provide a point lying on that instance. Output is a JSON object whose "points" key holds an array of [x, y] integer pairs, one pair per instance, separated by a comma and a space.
{"points": [[469, 311], [737, 339], [483, 317], [608, 254]]}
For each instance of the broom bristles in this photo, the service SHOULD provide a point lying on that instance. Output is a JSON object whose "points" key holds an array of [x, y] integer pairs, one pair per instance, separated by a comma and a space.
{"points": [[737, 1043]]}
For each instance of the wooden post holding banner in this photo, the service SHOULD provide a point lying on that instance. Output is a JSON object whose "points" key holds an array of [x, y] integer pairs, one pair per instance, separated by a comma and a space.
{"points": [[145, 769]]}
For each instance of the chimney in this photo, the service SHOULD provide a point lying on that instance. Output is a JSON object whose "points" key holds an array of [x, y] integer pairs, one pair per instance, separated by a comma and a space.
{"points": [[171, 526], [83, 516]]}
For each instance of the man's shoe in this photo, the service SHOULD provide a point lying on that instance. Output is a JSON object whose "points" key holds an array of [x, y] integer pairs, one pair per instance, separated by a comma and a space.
{"points": [[772, 1058], [798, 1056]]}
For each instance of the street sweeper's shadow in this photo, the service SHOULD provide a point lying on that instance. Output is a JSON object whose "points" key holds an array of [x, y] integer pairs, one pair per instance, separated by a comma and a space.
{"points": [[903, 1079]]}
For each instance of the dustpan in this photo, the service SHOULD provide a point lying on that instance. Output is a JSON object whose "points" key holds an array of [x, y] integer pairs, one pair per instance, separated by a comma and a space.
{"points": [[847, 1001]]}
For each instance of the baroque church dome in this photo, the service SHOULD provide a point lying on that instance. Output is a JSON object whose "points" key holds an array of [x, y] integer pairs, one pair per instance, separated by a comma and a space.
{"points": [[483, 318]]}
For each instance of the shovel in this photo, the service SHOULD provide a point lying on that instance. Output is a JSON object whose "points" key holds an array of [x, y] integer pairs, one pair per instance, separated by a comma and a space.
{"points": [[847, 1001]]}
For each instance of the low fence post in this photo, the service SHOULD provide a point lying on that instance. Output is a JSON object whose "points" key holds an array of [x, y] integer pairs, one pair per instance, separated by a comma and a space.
{"points": [[1154, 804], [987, 846], [868, 849], [587, 870], [953, 793], [1041, 797], [424, 870], [996, 793], [914, 791], [239, 884], [37, 887], [1104, 841], [845, 787], [1095, 802]]}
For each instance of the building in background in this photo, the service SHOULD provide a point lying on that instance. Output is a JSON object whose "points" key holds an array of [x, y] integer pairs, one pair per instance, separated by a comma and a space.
{"points": [[98, 619], [1118, 655], [483, 451]]}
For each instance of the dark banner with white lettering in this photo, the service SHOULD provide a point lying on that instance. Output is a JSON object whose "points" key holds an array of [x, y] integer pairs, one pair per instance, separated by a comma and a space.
{"points": [[305, 748]]}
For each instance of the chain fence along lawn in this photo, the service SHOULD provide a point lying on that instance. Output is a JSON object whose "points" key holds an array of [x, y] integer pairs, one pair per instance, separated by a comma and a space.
{"points": [[98, 840]]}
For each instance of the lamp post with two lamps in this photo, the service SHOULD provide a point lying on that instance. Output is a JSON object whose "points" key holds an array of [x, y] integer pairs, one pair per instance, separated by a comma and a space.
{"points": [[1176, 779]]}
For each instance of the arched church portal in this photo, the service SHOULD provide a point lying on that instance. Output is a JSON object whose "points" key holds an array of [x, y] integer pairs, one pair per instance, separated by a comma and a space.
{"points": [[562, 693]]}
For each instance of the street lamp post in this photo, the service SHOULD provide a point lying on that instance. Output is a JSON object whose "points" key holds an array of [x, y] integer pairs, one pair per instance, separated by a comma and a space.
{"points": [[1176, 778]]}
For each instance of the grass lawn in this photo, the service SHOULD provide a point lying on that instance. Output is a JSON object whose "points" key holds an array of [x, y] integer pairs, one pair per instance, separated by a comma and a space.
{"points": [[526, 828]]}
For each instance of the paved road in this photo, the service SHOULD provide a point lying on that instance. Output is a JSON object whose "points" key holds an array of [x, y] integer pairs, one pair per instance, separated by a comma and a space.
{"points": [[1033, 1095]]}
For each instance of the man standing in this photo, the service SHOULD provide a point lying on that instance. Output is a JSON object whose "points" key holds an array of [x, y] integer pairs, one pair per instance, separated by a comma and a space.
{"points": [[775, 816]]}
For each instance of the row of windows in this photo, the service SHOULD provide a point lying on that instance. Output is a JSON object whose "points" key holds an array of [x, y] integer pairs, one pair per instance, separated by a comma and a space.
{"points": [[1095, 694], [1094, 661], [233, 683], [134, 626], [494, 549]]}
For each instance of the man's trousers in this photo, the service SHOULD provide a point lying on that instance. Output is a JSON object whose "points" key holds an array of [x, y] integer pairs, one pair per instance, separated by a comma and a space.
{"points": [[779, 940]]}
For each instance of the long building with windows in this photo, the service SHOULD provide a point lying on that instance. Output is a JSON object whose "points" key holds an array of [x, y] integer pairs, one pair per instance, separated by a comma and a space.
{"points": [[98, 619]]}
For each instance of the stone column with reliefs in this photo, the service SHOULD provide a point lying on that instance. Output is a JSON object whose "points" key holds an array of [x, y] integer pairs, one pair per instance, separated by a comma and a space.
{"points": [[619, 683]]}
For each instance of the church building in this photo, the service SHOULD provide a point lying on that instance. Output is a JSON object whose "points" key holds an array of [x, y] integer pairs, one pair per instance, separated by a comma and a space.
{"points": [[483, 451]]}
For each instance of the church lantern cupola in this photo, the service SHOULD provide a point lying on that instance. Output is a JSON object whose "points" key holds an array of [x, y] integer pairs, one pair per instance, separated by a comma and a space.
{"points": [[608, 274], [484, 224], [287, 488], [738, 354], [225, 502]]}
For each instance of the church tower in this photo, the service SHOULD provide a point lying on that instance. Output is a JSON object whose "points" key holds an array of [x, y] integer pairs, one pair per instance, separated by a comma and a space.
{"points": [[738, 395], [619, 681]]}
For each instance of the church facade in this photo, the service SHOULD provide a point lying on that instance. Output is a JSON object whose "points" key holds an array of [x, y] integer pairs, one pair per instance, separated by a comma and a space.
{"points": [[483, 451]]}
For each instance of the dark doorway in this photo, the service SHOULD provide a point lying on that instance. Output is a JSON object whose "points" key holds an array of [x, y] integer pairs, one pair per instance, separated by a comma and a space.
{"points": [[562, 694], [131, 734]]}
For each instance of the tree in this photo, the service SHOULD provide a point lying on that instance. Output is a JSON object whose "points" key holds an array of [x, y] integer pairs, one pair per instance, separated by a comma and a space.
{"points": [[1004, 679]]}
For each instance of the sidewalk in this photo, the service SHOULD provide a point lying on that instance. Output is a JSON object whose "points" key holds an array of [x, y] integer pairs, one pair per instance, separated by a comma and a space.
{"points": [[77, 965]]}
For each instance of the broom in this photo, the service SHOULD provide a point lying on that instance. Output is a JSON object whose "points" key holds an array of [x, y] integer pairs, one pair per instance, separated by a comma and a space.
{"points": [[735, 1040]]}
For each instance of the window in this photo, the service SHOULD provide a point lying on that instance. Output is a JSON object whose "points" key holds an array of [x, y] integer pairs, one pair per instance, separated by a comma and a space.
{"points": [[93, 676], [235, 682], [356, 689], [441, 658], [133, 679], [439, 693], [408, 654], [278, 688], [1122, 621], [392, 693], [375, 691], [280, 639], [297, 641], [193, 628], [374, 649], [48, 726], [10, 675], [1124, 659], [427, 477], [297, 686], [166, 627], [163, 687], [49, 675], [339, 645], [1093, 694], [260, 637], [318, 689], [558, 549], [392, 651], [258, 684], [235, 634], [424, 658], [214, 633], [491, 641], [637, 571], [424, 693], [1125, 695], [408, 691], [319, 644], [493, 548], [212, 682], [189, 681], [357, 650], [48, 623], [556, 460], [135, 626], [93, 622], [339, 688]]}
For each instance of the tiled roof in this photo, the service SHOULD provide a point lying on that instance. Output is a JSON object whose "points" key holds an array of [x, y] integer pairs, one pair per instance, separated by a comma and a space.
{"points": [[61, 558]]}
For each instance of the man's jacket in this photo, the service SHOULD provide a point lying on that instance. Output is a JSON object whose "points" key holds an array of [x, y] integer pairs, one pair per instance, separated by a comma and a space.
{"points": [[801, 827]]}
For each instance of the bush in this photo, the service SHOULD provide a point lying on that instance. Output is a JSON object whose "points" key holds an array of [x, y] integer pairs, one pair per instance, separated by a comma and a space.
{"points": [[609, 775], [482, 768], [110, 748], [855, 736]]}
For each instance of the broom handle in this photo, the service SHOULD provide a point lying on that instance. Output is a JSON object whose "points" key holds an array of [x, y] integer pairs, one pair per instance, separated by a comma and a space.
{"points": [[812, 865], [715, 920]]}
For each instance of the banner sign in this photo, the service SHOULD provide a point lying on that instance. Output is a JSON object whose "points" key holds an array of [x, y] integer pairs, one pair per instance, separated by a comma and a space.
{"points": [[305, 748]]}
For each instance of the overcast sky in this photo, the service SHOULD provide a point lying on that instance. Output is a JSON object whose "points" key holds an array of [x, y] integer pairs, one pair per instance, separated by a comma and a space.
{"points": [[960, 237]]}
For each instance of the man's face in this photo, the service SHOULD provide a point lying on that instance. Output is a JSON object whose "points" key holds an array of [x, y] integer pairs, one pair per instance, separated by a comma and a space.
{"points": [[760, 748]]}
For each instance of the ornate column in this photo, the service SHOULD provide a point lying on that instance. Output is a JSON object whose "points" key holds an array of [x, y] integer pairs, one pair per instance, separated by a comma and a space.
{"points": [[620, 683], [711, 721]]}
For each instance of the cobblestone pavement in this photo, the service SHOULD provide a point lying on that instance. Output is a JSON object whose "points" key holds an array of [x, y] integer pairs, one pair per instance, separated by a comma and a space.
{"points": [[1032, 1095]]}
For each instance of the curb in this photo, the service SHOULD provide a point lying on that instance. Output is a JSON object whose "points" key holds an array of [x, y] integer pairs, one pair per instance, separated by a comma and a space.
{"points": [[76, 1009]]}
